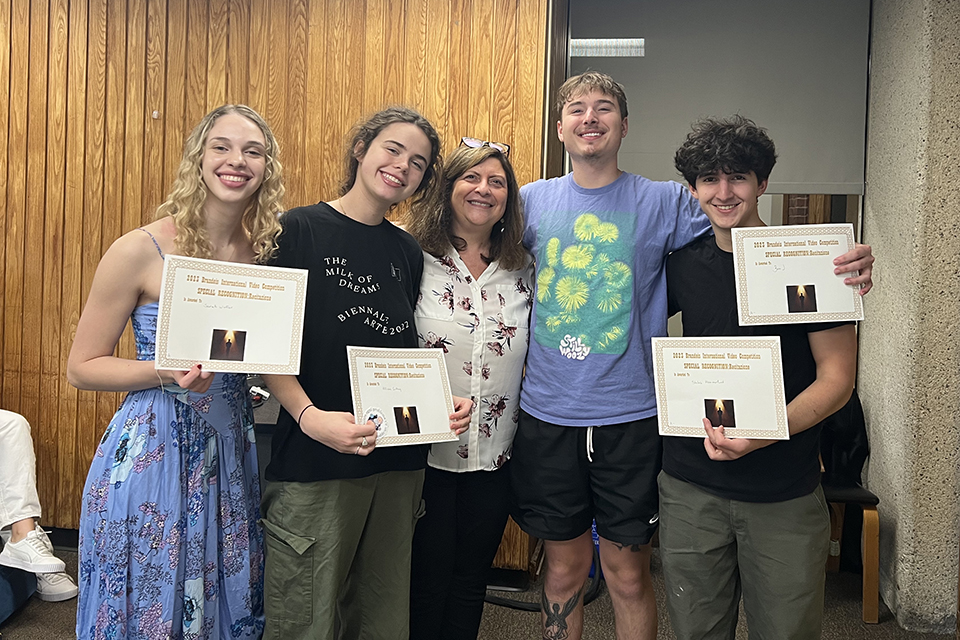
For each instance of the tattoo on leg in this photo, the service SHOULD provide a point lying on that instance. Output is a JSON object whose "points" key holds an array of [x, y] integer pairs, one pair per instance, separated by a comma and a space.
{"points": [[635, 548], [555, 626]]}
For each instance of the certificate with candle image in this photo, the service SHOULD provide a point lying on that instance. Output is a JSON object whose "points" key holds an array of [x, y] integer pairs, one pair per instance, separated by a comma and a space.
{"points": [[735, 382], [404, 392], [784, 275], [230, 317]]}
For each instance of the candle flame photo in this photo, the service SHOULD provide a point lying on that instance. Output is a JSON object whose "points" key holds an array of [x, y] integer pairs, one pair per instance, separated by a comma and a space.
{"points": [[228, 344], [720, 412], [407, 421], [801, 298]]}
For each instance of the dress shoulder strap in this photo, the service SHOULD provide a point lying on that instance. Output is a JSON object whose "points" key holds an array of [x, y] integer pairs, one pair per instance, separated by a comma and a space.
{"points": [[152, 238]]}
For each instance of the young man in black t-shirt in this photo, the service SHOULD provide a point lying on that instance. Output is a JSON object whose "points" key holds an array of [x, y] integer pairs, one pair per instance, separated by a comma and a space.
{"points": [[746, 517]]}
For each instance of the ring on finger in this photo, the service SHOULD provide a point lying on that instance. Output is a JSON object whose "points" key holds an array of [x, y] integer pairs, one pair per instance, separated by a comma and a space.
{"points": [[357, 452], [364, 443]]}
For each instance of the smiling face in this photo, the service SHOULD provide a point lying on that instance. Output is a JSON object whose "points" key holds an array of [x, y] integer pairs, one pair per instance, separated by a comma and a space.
{"points": [[393, 165], [729, 200], [479, 198], [591, 126], [234, 159]]}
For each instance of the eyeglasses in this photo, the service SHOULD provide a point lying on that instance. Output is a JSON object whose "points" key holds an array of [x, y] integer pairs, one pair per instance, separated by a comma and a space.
{"points": [[476, 143]]}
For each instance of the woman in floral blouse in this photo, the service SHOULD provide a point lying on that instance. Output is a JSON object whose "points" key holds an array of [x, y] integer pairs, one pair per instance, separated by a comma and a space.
{"points": [[475, 299]]}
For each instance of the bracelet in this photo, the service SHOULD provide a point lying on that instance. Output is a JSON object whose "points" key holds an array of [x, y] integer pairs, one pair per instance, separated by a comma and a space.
{"points": [[300, 417]]}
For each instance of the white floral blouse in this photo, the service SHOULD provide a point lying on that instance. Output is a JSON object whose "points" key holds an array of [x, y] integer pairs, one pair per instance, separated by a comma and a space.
{"points": [[482, 325]]}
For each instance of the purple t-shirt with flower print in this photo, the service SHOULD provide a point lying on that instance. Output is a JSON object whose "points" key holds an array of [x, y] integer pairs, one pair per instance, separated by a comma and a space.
{"points": [[601, 294]]}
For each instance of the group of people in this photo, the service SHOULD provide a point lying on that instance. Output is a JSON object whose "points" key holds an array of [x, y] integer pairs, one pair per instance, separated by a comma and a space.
{"points": [[560, 284]]}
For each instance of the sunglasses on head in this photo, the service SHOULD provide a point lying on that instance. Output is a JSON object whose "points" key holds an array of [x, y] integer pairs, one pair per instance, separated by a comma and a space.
{"points": [[476, 143]]}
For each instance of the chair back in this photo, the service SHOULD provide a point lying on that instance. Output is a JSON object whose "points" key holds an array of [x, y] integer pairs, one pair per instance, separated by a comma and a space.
{"points": [[843, 445]]}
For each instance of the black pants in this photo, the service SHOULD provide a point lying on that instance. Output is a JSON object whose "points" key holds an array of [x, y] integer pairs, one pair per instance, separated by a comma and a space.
{"points": [[453, 546]]}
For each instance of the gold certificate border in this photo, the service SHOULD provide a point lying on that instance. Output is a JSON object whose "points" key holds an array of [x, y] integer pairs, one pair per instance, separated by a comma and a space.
{"points": [[772, 343], [173, 262], [752, 233], [436, 355]]}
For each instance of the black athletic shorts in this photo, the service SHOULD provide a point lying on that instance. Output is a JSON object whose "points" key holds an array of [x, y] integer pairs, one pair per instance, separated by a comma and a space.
{"points": [[558, 492]]}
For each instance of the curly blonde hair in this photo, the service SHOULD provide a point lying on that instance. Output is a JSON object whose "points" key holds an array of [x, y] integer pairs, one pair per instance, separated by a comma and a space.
{"points": [[430, 221], [189, 192]]}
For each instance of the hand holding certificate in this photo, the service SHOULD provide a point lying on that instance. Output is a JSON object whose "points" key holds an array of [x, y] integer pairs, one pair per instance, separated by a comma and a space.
{"points": [[229, 316], [404, 392], [736, 383], [785, 274]]}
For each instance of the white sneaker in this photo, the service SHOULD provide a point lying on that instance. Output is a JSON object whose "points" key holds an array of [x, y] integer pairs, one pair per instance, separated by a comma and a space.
{"points": [[34, 554], [54, 587]]}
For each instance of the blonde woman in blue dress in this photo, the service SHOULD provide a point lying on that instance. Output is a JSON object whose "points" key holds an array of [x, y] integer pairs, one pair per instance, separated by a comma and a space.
{"points": [[169, 542]]}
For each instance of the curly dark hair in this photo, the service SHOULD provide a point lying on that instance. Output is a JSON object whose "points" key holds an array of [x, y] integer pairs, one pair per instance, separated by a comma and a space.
{"points": [[430, 221], [729, 145], [364, 132]]}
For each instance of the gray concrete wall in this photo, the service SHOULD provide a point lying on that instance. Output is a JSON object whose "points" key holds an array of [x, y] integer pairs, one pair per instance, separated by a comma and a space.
{"points": [[910, 357]]}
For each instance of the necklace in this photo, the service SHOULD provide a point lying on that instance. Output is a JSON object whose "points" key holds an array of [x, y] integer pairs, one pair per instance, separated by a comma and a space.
{"points": [[372, 220]]}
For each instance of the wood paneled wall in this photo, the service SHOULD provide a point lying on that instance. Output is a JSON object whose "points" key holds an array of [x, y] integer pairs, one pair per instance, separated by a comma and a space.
{"points": [[102, 93]]}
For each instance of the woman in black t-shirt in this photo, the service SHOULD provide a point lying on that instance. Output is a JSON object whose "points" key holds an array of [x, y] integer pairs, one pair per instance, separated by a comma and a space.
{"points": [[338, 512]]}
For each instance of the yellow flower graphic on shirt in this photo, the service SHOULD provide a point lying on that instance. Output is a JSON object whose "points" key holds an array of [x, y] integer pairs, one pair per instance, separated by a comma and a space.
{"points": [[544, 280], [617, 275], [572, 293], [609, 301], [610, 337], [607, 232], [553, 250], [585, 282], [585, 227], [577, 257]]}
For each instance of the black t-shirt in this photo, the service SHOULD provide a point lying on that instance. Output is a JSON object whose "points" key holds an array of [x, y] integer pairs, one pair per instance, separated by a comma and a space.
{"points": [[700, 283], [361, 291]]}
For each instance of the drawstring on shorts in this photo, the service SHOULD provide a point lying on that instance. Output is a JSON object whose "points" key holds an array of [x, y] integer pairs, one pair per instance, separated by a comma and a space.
{"points": [[589, 444]]}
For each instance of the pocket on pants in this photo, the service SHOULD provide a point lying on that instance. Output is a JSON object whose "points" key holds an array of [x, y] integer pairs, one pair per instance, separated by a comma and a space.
{"points": [[288, 580], [420, 511]]}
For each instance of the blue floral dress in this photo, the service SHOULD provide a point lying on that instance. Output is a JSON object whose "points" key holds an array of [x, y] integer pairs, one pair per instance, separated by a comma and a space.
{"points": [[169, 541]]}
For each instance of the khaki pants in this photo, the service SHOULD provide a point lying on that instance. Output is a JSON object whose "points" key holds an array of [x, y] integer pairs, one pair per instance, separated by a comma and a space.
{"points": [[713, 549], [338, 557]]}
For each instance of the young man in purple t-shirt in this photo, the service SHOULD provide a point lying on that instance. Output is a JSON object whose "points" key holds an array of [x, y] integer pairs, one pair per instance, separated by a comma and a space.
{"points": [[587, 446]]}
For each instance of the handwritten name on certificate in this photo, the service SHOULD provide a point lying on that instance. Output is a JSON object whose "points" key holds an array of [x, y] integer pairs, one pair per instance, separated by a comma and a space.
{"points": [[230, 317], [784, 275], [404, 392], [734, 382]]}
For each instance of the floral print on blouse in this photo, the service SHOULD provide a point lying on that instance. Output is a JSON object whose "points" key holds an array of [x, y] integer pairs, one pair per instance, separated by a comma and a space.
{"points": [[483, 327]]}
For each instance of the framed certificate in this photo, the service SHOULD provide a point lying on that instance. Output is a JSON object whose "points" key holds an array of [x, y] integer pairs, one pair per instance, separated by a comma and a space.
{"points": [[231, 317], [405, 392], [734, 382], [785, 275]]}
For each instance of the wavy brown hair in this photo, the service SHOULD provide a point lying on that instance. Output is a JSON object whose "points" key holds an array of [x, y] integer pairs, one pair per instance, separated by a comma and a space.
{"points": [[364, 132], [590, 81], [189, 192], [430, 222]]}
